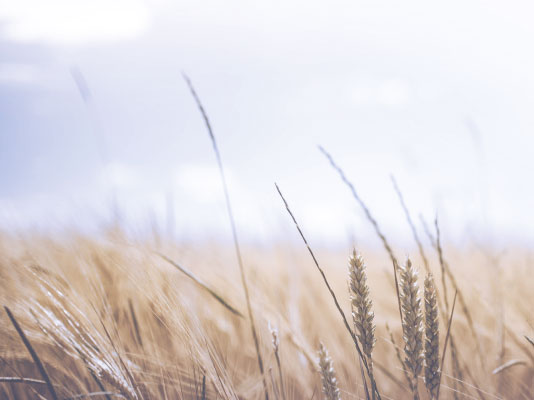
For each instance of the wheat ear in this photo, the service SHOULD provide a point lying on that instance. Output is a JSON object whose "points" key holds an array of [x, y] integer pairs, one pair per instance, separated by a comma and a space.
{"points": [[328, 375], [276, 349], [362, 313], [431, 338], [412, 323]]}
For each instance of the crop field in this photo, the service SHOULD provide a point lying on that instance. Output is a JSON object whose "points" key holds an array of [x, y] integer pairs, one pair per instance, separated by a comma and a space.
{"points": [[111, 315], [118, 317], [199, 200]]}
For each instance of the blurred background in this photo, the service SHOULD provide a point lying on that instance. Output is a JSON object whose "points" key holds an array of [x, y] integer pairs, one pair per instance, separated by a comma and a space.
{"points": [[97, 124]]}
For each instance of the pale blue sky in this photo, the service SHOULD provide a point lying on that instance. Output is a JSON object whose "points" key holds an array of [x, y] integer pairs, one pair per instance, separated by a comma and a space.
{"points": [[385, 86]]}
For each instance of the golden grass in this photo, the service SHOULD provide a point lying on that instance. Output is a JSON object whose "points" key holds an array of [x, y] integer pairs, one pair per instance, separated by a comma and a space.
{"points": [[108, 315]]}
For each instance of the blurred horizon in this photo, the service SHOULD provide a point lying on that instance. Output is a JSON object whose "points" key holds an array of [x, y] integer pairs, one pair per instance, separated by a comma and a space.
{"points": [[95, 116]]}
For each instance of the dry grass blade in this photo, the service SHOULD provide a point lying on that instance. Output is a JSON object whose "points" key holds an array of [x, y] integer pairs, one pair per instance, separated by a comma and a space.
{"points": [[457, 371], [33, 354], [346, 323], [461, 299], [446, 342], [135, 323], [14, 379], [360, 201], [519, 342], [398, 354], [233, 227], [507, 365], [442, 264], [411, 224], [95, 394], [128, 374], [321, 272], [370, 218], [273, 385], [392, 377], [364, 381], [200, 283]]}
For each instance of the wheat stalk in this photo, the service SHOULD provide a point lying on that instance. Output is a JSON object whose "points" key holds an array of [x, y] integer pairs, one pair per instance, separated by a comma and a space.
{"points": [[321, 271], [431, 338], [328, 375], [412, 323], [369, 217], [410, 223], [447, 337], [461, 299], [234, 231]]}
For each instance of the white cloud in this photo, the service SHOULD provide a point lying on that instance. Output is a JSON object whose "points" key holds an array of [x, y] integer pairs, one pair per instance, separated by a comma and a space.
{"points": [[120, 176], [200, 182], [73, 21]]}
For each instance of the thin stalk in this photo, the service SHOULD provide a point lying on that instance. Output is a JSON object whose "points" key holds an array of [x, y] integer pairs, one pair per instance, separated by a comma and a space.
{"points": [[33, 354], [411, 224], [321, 271], [16, 379], [276, 348], [446, 342], [371, 219], [95, 394], [234, 230], [442, 264], [461, 299], [398, 354], [200, 283]]}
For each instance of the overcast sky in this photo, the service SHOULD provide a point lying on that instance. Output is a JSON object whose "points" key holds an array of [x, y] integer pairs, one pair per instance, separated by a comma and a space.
{"points": [[440, 94]]}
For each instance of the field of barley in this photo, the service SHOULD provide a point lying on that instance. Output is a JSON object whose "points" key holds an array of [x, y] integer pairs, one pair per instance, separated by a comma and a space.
{"points": [[241, 239], [116, 317]]}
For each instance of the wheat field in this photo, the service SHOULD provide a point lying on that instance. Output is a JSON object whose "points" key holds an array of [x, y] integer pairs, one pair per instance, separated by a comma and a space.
{"points": [[115, 316], [110, 317], [148, 253]]}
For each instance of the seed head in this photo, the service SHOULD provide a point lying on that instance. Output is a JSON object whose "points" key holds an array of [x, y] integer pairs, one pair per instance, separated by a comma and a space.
{"points": [[362, 314], [328, 375], [431, 338], [412, 323]]}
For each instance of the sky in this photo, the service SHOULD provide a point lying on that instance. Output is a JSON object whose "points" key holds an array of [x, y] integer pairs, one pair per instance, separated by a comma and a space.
{"points": [[438, 94]]}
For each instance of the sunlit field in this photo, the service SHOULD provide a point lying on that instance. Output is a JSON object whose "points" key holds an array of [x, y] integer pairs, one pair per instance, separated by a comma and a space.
{"points": [[110, 314], [180, 210], [110, 317]]}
